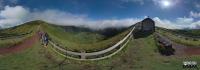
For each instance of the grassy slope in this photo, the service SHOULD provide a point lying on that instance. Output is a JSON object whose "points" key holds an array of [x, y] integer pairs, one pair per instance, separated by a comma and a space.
{"points": [[29, 59], [74, 37], [189, 32], [25, 28], [10, 42], [76, 41], [140, 54], [82, 40], [171, 36]]}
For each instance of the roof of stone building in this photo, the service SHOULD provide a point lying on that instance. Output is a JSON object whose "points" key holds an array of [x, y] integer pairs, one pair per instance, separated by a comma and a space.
{"points": [[147, 19]]}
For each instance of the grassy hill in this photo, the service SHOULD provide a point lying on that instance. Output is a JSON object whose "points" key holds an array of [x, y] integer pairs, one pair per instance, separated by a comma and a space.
{"points": [[139, 54], [69, 37], [15, 35], [78, 39], [184, 32], [185, 37]]}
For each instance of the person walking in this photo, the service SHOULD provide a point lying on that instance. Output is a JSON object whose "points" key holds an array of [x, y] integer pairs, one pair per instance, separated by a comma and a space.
{"points": [[46, 39], [41, 36]]}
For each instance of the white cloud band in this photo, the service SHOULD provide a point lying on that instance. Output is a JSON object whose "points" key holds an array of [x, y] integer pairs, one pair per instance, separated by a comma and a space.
{"points": [[195, 14], [8, 18]]}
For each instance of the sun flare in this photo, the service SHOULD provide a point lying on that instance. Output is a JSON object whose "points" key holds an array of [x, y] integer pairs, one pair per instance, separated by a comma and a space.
{"points": [[165, 3]]}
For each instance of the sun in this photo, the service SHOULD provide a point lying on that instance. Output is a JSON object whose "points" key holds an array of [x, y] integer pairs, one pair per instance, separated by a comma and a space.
{"points": [[165, 3]]}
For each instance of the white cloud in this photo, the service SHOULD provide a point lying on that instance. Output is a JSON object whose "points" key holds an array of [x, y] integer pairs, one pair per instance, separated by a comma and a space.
{"points": [[184, 20], [63, 18], [179, 23], [195, 14], [12, 16], [195, 25], [13, 12], [165, 23]]}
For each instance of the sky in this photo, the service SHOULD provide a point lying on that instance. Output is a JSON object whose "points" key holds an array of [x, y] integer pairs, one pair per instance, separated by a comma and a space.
{"points": [[98, 14]]}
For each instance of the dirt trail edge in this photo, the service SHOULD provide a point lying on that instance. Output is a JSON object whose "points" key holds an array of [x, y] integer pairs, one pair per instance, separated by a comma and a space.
{"points": [[25, 44], [183, 50], [29, 42]]}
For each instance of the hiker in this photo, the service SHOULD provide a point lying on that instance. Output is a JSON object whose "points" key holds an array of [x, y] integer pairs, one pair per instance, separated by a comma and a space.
{"points": [[45, 39], [41, 35]]}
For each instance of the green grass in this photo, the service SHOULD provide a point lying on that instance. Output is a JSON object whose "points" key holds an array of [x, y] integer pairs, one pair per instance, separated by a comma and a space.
{"points": [[82, 40], [33, 58], [139, 54], [10, 42], [71, 40], [25, 28], [185, 32], [181, 40], [14, 32], [189, 32], [74, 37]]}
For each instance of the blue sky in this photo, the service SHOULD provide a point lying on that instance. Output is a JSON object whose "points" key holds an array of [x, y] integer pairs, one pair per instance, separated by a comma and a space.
{"points": [[166, 13], [106, 9]]}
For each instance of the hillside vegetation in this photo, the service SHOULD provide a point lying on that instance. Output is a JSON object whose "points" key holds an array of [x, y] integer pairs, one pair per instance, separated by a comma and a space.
{"points": [[15, 35], [69, 37], [84, 40], [182, 37], [138, 54]]}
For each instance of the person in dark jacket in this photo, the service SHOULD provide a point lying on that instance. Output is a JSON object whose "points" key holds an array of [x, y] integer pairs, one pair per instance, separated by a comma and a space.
{"points": [[46, 39]]}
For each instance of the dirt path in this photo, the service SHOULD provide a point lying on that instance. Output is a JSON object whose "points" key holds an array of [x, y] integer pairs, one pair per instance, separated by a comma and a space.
{"points": [[25, 44], [179, 49], [183, 50], [186, 50], [193, 51]]}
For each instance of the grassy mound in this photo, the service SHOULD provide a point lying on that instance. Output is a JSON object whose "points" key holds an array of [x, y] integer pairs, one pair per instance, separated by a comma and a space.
{"points": [[78, 41], [180, 38], [15, 35], [73, 38], [17, 30], [139, 54], [10, 42]]}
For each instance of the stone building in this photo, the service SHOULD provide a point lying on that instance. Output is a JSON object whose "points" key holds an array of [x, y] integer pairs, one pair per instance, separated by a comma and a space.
{"points": [[144, 28], [146, 25]]}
